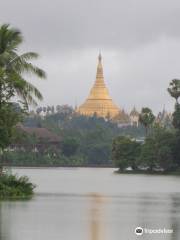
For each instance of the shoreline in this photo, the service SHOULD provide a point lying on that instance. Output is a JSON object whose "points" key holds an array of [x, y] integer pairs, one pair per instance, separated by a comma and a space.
{"points": [[152, 173], [59, 166], [117, 171]]}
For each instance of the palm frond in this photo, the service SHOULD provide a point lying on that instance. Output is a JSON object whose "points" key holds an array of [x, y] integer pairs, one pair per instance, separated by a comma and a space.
{"points": [[10, 38], [14, 66], [20, 59], [33, 90], [31, 69]]}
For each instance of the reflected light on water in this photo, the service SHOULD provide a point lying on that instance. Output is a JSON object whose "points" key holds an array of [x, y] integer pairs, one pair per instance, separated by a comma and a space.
{"points": [[92, 204], [96, 217]]}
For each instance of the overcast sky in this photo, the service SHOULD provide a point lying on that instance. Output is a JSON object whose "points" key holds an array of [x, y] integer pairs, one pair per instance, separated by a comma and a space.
{"points": [[139, 41]]}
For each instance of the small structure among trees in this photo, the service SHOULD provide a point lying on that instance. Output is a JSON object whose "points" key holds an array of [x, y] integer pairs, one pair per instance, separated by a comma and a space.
{"points": [[134, 117], [35, 139]]}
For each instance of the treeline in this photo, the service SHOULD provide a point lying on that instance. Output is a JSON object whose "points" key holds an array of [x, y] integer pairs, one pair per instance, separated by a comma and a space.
{"points": [[161, 148], [85, 141]]}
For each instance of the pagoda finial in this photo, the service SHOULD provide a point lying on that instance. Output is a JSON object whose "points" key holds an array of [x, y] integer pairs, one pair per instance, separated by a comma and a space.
{"points": [[99, 74], [100, 57]]}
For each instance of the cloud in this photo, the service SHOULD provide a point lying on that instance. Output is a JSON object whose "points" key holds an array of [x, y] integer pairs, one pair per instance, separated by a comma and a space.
{"points": [[96, 23], [139, 41]]}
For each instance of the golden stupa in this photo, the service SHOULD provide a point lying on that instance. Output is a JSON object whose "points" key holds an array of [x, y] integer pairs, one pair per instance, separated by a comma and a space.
{"points": [[99, 101]]}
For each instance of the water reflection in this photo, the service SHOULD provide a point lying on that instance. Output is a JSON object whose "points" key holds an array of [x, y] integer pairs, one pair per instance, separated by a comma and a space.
{"points": [[1, 221], [64, 209], [5, 223], [175, 218], [96, 217], [159, 211]]}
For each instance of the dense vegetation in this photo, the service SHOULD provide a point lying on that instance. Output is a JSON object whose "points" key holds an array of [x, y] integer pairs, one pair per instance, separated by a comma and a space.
{"points": [[13, 187], [13, 69], [85, 141], [161, 148]]}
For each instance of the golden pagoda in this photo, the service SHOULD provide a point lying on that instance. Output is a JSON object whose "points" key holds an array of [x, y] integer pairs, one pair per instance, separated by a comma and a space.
{"points": [[99, 101]]}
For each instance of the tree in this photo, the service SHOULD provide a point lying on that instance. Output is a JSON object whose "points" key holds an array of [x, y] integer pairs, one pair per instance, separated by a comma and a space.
{"points": [[69, 146], [174, 89], [125, 152], [148, 157], [165, 157], [176, 149], [146, 118], [8, 118], [176, 117], [157, 151], [13, 69]]}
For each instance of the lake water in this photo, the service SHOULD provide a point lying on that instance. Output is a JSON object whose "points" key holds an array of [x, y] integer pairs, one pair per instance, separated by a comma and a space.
{"points": [[92, 204]]}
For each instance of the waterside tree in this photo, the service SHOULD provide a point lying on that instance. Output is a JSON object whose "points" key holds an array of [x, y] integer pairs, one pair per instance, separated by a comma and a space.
{"points": [[174, 89], [14, 68], [146, 118]]}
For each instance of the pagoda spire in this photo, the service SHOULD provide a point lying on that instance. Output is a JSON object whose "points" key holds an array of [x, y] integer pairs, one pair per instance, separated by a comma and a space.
{"points": [[99, 74], [99, 57], [99, 100]]}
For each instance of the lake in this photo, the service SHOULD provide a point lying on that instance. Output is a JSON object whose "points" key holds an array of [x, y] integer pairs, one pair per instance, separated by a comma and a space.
{"points": [[92, 204]]}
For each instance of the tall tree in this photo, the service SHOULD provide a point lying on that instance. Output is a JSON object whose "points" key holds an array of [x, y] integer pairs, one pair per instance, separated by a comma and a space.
{"points": [[174, 89], [14, 67], [146, 118], [176, 117]]}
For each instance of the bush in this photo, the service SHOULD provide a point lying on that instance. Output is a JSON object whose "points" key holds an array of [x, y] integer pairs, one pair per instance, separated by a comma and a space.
{"points": [[14, 187], [125, 152], [157, 151]]}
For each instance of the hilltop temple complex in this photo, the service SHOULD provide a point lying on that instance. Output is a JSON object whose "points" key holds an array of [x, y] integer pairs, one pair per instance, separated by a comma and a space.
{"points": [[100, 104]]}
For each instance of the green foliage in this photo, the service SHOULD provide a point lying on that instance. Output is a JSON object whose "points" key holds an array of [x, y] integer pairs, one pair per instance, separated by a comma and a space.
{"points": [[176, 116], [148, 157], [125, 152], [165, 157], [69, 146], [174, 89], [87, 140], [13, 187], [97, 154], [13, 69], [8, 119], [146, 118], [176, 148], [157, 151], [49, 158]]}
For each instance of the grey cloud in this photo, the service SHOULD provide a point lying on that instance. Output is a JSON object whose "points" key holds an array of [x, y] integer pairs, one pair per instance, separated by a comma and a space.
{"points": [[139, 40], [95, 23]]}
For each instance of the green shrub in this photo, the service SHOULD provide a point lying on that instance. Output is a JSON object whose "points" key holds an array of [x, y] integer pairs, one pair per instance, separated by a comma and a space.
{"points": [[14, 187]]}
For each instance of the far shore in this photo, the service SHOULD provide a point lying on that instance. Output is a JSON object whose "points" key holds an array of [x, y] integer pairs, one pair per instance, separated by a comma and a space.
{"points": [[117, 171], [59, 166], [131, 172], [148, 172]]}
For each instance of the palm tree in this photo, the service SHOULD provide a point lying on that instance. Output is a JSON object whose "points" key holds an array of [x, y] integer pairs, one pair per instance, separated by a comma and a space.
{"points": [[174, 89], [14, 67], [146, 118]]}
